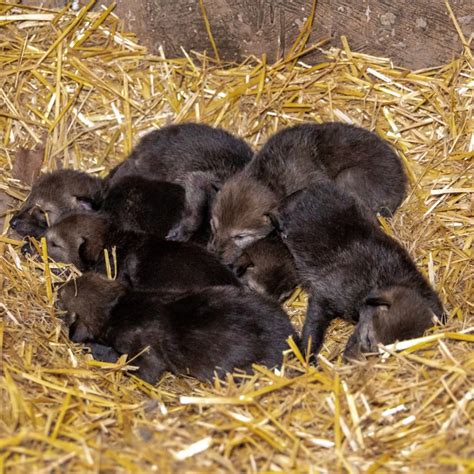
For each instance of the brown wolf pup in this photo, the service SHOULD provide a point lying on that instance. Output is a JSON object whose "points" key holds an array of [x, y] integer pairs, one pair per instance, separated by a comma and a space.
{"points": [[53, 195], [144, 261]]}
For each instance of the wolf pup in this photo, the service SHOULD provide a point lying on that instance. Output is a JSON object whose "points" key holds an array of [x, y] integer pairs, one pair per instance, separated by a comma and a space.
{"points": [[53, 195], [196, 156], [143, 261], [356, 160], [202, 333], [352, 269]]}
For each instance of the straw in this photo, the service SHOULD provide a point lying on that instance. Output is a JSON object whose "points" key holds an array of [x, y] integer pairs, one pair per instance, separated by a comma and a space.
{"points": [[94, 90]]}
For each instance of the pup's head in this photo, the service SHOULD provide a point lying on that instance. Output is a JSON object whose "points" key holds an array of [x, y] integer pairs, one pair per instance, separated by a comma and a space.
{"points": [[389, 315], [52, 195], [267, 267], [78, 238], [241, 215], [88, 302]]}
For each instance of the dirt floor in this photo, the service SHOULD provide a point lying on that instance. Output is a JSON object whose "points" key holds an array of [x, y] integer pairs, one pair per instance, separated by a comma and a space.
{"points": [[414, 34]]}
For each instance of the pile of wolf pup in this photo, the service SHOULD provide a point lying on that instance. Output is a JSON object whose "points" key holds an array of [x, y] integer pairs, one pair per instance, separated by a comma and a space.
{"points": [[210, 238]]}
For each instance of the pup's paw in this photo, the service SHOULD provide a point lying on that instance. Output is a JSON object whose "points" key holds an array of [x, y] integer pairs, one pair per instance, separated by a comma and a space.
{"points": [[103, 353]]}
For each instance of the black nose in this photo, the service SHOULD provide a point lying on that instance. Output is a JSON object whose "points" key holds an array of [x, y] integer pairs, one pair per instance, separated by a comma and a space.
{"points": [[14, 222], [27, 248]]}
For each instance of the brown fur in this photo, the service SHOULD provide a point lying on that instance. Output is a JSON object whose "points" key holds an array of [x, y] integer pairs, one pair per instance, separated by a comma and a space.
{"points": [[200, 332], [144, 261], [358, 162], [144, 205]]}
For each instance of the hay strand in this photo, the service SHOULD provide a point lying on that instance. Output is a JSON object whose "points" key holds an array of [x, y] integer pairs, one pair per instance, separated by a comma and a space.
{"points": [[94, 90]]}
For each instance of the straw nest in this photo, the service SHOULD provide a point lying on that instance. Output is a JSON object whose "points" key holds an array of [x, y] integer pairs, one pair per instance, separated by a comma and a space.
{"points": [[83, 91]]}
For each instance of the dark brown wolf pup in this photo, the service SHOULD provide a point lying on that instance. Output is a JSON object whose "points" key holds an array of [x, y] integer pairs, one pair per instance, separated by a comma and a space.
{"points": [[144, 261], [195, 156], [201, 333], [352, 269], [356, 160], [53, 195]]}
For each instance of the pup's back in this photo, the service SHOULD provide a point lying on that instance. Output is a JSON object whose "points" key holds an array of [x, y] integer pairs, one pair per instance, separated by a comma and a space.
{"points": [[143, 205], [199, 333], [321, 223], [360, 163], [171, 151], [224, 328], [161, 264]]}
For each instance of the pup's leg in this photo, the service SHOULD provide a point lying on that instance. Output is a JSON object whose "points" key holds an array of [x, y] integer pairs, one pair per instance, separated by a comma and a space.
{"points": [[315, 326], [197, 187], [151, 366]]}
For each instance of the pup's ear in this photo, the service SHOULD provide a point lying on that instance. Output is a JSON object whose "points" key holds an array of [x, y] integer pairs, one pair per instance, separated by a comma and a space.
{"points": [[279, 217], [242, 264], [273, 218], [215, 187], [212, 190], [89, 251], [288, 204], [111, 294]]}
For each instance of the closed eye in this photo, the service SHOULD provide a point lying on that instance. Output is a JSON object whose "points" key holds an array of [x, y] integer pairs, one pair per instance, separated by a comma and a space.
{"points": [[52, 244]]}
